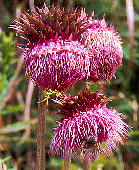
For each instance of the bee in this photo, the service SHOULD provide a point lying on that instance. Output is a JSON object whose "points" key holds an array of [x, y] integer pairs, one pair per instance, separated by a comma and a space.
{"points": [[90, 143]]}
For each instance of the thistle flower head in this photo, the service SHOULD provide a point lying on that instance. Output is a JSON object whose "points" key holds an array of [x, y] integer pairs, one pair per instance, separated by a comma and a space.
{"points": [[54, 57], [56, 65], [105, 48], [90, 130]]}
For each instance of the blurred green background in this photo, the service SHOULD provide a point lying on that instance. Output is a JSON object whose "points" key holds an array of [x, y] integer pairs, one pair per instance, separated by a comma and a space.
{"points": [[18, 97]]}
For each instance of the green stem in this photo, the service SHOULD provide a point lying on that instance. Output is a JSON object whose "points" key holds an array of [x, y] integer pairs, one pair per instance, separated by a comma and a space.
{"points": [[41, 129], [87, 164], [67, 164]]}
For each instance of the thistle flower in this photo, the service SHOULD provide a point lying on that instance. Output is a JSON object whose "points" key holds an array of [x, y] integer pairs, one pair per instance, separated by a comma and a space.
{"points": [[88, 128], [105, 48], [54, 57], [57, 65]]}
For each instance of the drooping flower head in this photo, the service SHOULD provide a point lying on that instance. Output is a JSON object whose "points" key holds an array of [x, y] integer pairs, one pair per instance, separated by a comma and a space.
{"points": [[54, 57], [105, 48], [88, 127]]}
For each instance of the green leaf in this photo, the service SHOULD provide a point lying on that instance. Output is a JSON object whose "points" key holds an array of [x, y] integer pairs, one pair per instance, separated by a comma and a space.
{"points": [[15, 127], [135, 133], [93, 86], [5, 159], [11, 109]]}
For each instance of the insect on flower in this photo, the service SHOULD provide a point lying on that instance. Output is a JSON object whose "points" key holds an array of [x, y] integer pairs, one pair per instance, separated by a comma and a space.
{"points": [[89, 143]]}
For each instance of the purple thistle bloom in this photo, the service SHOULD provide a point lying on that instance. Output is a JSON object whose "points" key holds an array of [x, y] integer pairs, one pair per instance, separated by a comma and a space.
{"points": [[57, 65], [105, 48], [54, 57], [93, 37], [88, 128]]}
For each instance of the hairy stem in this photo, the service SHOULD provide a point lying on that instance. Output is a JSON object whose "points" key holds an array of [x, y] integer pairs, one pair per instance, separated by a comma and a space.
{"points": [[41, 128]]}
